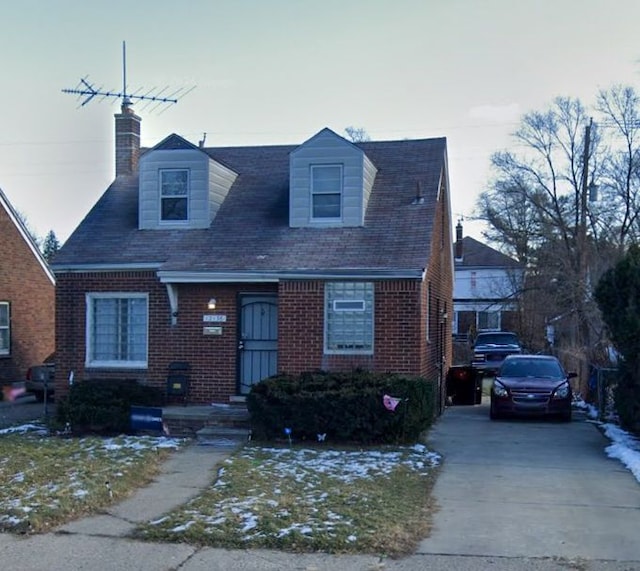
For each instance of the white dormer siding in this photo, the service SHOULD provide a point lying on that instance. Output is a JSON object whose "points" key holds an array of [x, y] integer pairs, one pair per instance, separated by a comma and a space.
{"points": [[330, 181], [207, 185]]}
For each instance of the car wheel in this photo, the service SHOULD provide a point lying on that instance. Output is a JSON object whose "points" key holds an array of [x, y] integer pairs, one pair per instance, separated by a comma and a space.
{"points": [[566, 416], [39, 395], [493, 413]]}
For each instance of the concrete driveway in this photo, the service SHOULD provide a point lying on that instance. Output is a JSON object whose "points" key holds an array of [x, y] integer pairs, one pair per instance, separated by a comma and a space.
{"points": [[530, 488], [23, 409]]}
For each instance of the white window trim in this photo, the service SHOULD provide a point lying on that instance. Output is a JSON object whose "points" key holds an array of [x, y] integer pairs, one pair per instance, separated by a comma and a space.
{"points": [[312, 193], [6, 351], [161, 220], [94, 364], [327, 306]]}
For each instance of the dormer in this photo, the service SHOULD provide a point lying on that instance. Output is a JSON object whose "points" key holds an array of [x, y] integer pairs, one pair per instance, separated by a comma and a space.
{"points": [[330, 180], [181, 186]]}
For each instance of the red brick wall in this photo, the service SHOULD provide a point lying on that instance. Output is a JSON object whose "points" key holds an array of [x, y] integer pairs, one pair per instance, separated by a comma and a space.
{"points": [[396, 329], [212, 358], [438, 350], [440, 275], [30, 293]]}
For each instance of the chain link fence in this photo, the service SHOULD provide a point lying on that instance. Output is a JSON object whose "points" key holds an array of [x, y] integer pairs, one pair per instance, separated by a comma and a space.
{"points": [[602, 385]]}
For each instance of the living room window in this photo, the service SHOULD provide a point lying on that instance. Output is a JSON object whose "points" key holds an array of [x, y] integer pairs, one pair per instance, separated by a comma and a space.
{"points": [[326, 191], [174, 195], [5, 328], [117, 330], [349, 317]]}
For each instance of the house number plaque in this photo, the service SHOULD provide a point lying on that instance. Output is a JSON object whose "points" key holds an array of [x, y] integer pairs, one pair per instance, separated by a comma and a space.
{"points": [[214, 318]]}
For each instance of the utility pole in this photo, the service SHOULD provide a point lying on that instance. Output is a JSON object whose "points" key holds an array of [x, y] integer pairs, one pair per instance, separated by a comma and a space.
{"points": [[583, 268], [585, 185]]}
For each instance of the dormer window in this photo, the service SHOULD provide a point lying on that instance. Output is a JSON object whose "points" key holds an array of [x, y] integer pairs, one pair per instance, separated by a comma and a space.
{"points": [[174, 195], [326, 191], [330, 180]]}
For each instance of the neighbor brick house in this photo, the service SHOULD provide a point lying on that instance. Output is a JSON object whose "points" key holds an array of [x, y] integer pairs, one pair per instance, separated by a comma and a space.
{"points": [[242, 262], [27, 298]]}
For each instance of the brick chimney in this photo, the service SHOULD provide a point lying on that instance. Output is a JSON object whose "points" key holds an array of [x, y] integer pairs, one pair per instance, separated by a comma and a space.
{"points": [[127, 141], [458, 247]]}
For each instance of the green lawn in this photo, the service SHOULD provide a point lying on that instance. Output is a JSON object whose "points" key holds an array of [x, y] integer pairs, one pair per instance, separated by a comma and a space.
{"points": [[47, 481], [311, 499]]}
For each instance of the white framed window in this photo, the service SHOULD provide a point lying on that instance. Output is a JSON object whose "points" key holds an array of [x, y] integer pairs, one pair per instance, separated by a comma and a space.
{"points": [[5, 328], [117, 329], [174, 195], [326, 192], [488, 320], [348, 317]]}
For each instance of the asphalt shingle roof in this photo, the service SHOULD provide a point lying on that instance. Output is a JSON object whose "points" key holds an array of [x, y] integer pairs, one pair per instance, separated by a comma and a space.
{"points": [[478, 255], [251, 230]]}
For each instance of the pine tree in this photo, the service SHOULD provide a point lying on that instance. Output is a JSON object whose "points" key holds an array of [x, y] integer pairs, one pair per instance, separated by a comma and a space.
{"points": [[50, 246]]}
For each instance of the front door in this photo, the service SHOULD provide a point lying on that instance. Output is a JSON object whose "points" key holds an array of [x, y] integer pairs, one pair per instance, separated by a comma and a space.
{"points": [[258, 342]]}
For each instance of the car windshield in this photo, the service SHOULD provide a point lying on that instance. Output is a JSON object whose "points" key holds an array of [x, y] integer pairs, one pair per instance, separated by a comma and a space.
{"points": [[547, 368], [497, 339]]}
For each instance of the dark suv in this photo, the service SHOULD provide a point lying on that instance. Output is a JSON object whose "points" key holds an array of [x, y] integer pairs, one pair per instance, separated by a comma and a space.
{"points": [[491, 348]]}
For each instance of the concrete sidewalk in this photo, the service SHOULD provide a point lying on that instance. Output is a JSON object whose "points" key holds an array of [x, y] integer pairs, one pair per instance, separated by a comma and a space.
{"points": [[183, 477]]}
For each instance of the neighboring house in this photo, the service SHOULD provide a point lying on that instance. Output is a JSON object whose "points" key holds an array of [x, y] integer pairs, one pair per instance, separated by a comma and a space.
{"points": [[486, 289], [244, 262], [27, 298]]}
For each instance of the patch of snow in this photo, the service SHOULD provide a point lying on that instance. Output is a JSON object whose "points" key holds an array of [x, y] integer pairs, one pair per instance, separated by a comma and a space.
{"points": [[39, 428], [183, 527], [592, 411], [625, 447]]}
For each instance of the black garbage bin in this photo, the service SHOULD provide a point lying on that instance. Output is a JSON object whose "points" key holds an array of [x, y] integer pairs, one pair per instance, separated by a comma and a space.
{"points": [[464, 385]]}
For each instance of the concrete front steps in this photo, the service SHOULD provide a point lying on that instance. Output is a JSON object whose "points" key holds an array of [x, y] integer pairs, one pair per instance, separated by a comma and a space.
{"points": [[222, 436], [217, 425]]}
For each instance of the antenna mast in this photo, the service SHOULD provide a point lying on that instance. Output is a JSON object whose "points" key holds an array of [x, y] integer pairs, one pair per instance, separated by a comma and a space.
{"points": [[153, 96], [125, 100]]}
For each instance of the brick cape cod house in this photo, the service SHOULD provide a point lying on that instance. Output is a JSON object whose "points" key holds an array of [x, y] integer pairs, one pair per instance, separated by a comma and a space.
{"points": [[246, 261], [27, 298]]}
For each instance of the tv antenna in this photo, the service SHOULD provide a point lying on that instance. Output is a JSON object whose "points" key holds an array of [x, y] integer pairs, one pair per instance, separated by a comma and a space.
{"points": [[151, 97]]}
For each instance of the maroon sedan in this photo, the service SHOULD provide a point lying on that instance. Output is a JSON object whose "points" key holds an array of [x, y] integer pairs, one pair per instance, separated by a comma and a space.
{"points": [[531, 385]]}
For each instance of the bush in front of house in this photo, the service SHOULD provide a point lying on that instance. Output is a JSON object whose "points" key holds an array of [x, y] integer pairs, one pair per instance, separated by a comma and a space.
{"points": [[346, 407], [104, 406]]}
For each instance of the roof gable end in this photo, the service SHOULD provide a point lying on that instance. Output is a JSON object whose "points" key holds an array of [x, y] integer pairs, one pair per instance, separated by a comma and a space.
{"points": [[174, 142], [26, 236]]}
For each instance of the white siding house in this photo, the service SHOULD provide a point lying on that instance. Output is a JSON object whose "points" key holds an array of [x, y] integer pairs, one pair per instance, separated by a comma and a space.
{"points": [[486, 288]]}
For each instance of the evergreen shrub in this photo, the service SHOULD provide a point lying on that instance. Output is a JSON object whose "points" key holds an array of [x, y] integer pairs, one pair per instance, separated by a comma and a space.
{"points": [[104, 406], [618, 297], [346, 407]]}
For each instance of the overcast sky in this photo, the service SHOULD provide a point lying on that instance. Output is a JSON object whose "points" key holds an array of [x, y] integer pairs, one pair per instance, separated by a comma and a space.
{"points": [[278, 71]]}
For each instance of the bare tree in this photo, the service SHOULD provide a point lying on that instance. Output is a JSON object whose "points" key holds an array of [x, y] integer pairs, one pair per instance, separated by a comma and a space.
{"points": [[537, 199], [619, 212], [510, 219], [357, 134]]}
